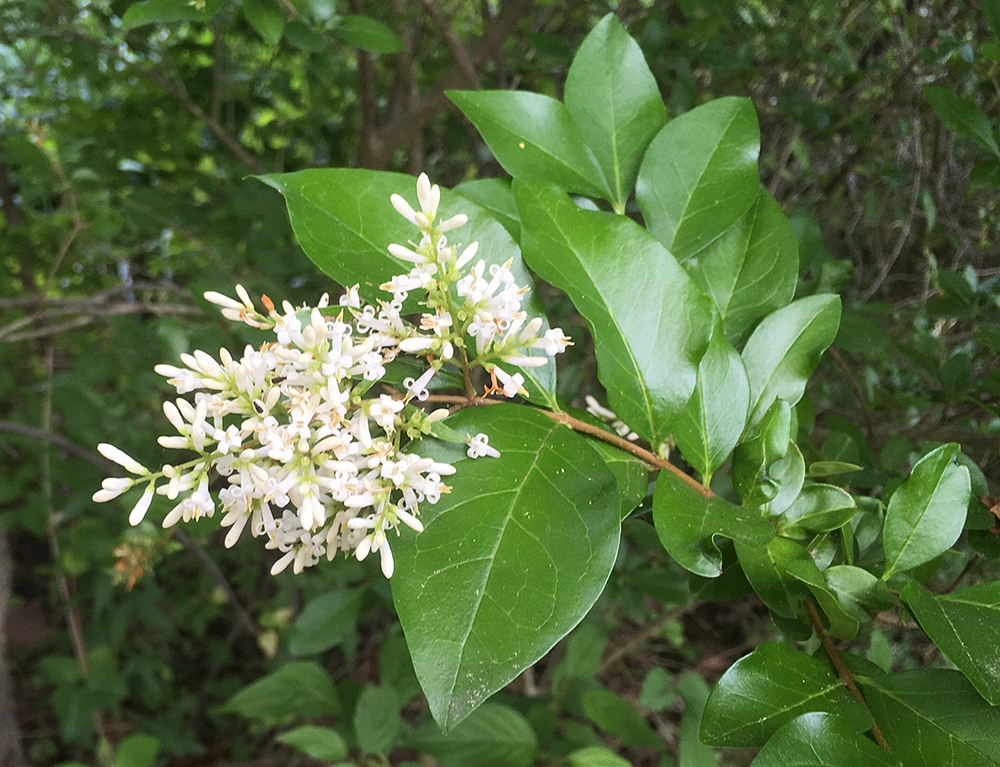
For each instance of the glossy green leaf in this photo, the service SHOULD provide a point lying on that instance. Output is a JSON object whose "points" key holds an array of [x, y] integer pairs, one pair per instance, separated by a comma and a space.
{"points": [[301, 688], [714, 418], [616, 104], [138, 750], [596, 756], [492, 736], [751, 269], [167, 12], [927, 512], [693, 753], [785, 348], [649, 333], [509, 561], [687, 522], [753, 459], [266, 18], [534, 138], [821, 740], [344, 222], [842, 623], [368, 34], [770, 687], [317, 742], [789, 472], [819, 508], [325, 622], [766, 567], [376, 719], [494, 195], [965, 625], [632, 474], [617, 717], [934, 718], [858, 591], [699, 174], [831, 468], [963, 116]]}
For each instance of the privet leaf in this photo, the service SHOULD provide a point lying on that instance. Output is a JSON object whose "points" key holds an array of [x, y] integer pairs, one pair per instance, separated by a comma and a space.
{"points": [[167, 11], [495, 196], [687, 522], [713, 419], [818, 508], [934, 718], [699, 174], [368, 34], [317, 742], [963, 116], [300, 688], [649, 333], [617, 717], [751, 269], [377, 721], [693, 753], [266, 18], [631, 473], [965, 625], [766, 567], [492, 736], [533, 137], [326, 621], [927, 512], [508, 562], [769, 687], [842, 623], [785, 348], [616, 104], [821, 740]]}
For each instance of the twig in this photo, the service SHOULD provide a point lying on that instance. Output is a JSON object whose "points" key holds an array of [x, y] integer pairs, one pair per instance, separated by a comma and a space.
{"points": [[856, 388], [641, 638], [457, 48], [842, 670]]}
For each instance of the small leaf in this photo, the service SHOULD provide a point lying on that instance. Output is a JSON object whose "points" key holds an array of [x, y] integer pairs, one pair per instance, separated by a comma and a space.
{"points": [[616, 103], [376, 720], [266, 18], [786, 347], [789, 473], [927, 512], [753, 459], [139, 750], [167, 12], [492, 736], [687, 522], [831, 468], [965, 625], [821, 740], [325, 622], [818, 509], [693, 753], [533, 137], [751, 269], [842, 623], [766, 567], [700, 175], [714, 418], [770, 687], [509, 561], [317, 742], [963, 116], [300, 688], [934, 718], [649, 334], [859, 592], [618, 718], [596, 756], [368, 34]]}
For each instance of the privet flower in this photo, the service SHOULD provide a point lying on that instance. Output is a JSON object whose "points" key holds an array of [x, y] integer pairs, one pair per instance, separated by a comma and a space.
{"points": [[313, 460]]}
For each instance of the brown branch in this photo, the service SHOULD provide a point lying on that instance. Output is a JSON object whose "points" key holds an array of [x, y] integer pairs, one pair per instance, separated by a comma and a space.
{"points": [[8, 336], [639, 640], [856, 388], [842, 670], [455, 46]]}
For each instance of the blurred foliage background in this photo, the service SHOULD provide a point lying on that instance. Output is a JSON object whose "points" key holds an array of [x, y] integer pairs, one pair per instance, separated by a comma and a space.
{"points": [[129, 135]]}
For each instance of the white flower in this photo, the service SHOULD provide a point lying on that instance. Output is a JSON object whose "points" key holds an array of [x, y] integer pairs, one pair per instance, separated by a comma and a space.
{"points": [[140, 509], [122, 458], [479, 446]]}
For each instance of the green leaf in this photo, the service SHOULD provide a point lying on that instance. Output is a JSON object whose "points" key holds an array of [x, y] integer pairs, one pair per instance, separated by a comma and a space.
{"points": [[266, 18], [927, 512], [615, 102], [596, 756], [986, 172], [842, 623], [751, 269], [821, 740], [767, 570], [818, 509], [965, 625], [785, 348], [492, 736], [317, 742], [139, 750], [368, 34], [753, 459], [649, 333], [963, 116], [631, 473], [693, 753], [934, 718], [300, 688], [789, 473], [618, 718], [494, 195], [325, 622], [534, 138], [167, 12], [509, 561], [858, 591], [831, 468], [714, 418], [344, 222], [376, 720], [687, 522], [770, 687], [699, 174]]}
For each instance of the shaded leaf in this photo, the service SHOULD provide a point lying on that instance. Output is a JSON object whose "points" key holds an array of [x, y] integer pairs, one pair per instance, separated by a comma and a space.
{"points": [[167, 12], [693, 753], [963, 116], [266, 18], [494, 195], [818, 508], [376, 719], [821, 740], [300, 688], [317, 742], [368, 34], [325, 622], [617, 717], [492, 736], [767, 570]]}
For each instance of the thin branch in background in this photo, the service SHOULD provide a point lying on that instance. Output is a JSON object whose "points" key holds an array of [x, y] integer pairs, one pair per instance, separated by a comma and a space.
{"points": [[457, 48], [641, 638]]}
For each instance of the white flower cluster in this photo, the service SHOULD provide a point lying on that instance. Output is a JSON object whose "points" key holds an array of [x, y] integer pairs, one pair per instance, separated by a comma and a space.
{"points": [[311, 461]]}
